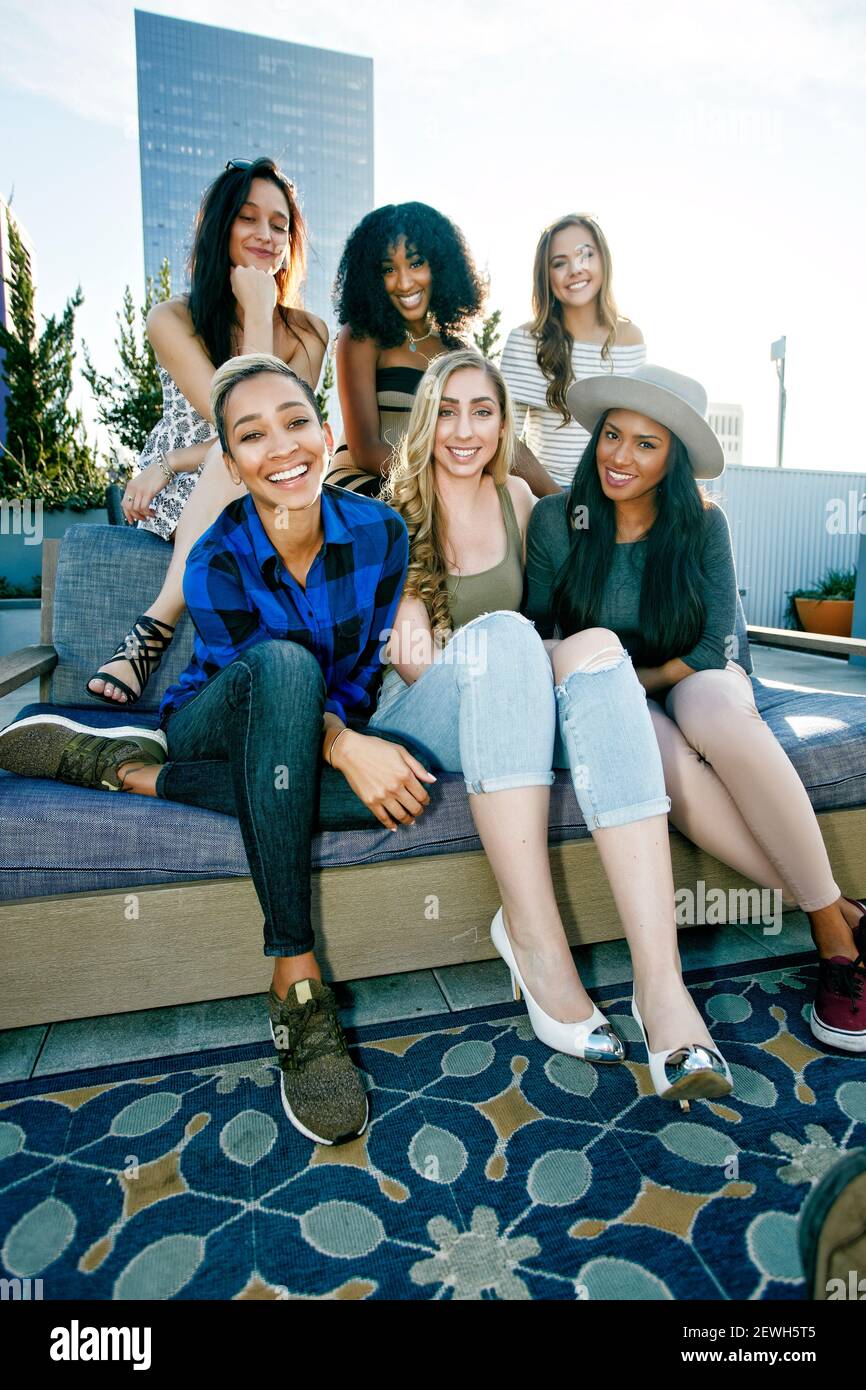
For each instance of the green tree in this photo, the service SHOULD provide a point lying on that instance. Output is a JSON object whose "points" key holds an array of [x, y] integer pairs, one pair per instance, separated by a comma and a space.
{"points": [[129, 402], [45, 454], [487, 341], [327, 385]]}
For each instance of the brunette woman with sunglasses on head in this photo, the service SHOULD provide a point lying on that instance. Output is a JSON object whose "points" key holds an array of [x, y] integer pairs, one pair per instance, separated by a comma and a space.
{"points": [[246, 267]]}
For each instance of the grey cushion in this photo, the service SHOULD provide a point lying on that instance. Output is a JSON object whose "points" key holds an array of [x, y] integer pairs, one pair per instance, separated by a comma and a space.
{"points": [[61, 839]]}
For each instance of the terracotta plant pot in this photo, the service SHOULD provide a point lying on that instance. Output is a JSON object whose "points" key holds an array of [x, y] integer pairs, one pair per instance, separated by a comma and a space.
{"points": [[831, 616]]}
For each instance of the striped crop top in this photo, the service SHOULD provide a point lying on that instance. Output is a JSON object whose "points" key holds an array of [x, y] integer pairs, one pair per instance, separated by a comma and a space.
{"points": [[556, 445]]}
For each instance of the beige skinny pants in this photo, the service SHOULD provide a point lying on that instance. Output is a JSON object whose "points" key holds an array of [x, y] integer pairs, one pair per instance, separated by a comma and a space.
{"points": [[734, 791]]}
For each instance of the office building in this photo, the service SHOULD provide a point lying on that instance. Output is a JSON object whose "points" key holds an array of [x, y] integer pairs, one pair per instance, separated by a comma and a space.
{"points": [[206, 95], [727, 421]]}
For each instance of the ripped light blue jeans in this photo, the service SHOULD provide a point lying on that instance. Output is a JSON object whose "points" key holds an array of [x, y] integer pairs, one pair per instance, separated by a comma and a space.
{"points": [[488, 708]]}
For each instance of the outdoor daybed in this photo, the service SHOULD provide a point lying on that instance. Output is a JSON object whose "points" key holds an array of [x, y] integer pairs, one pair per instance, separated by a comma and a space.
{"points": [[117, 902]]}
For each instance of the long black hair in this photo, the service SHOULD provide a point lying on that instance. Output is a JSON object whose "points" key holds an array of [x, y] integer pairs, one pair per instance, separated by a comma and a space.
{"points": [[457, 290], [212, 305], [672, 611]]}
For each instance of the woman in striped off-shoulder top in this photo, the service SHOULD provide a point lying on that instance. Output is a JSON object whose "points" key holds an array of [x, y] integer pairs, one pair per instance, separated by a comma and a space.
{"points": [[576, 332]]}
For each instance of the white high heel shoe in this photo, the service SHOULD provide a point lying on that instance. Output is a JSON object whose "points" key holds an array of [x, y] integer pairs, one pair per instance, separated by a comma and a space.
{"points": [[682, 1073], [593, 1039]]}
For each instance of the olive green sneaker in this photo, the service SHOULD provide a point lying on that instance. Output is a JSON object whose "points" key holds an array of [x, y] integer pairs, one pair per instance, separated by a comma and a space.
{"points": [[47, 745], [832, 1232], [321, 1088]]}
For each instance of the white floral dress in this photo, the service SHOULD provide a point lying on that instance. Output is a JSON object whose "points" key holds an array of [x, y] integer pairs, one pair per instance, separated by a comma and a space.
{"points": [[180, 426]]}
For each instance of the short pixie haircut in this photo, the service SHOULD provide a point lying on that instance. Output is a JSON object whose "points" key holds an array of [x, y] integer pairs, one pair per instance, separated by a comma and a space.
{"points": [[238, 369]]}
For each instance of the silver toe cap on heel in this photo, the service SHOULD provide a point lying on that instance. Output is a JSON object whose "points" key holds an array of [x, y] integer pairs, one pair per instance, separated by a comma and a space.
{"points": [[604, 1045], [696, 1071]]}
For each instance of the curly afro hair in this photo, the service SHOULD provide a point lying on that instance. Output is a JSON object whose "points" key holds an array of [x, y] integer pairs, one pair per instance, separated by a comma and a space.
{"points": [[457, 290]]}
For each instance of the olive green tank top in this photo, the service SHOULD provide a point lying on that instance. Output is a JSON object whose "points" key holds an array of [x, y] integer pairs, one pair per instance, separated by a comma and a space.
{"points": [[501, 586], [470, 595]]}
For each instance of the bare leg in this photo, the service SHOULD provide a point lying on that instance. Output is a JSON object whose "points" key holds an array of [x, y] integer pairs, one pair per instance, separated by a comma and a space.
{"points": [[211, 494], [637, 860], [288, 970], [703, 809], [512, 826], [716, 712], [138, 777]]}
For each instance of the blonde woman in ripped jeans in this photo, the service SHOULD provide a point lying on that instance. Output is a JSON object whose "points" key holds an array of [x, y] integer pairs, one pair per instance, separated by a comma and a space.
{"points": [[487, 707], [492, 704]]}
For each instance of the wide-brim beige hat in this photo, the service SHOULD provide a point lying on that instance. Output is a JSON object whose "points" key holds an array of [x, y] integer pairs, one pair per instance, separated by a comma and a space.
{"points": [[673, 400]]}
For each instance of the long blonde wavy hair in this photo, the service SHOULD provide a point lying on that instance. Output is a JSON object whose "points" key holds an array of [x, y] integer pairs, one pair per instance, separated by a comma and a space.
{"points": [[553, 340], [410, 487]]}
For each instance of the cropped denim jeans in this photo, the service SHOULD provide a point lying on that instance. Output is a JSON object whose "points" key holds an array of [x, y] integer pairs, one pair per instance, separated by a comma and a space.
{"points": [[488, 708], [484, 708], [605, 737]]}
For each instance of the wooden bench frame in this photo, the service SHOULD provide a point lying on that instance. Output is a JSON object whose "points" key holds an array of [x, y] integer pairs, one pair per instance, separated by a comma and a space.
{"points": [[78, 955]]}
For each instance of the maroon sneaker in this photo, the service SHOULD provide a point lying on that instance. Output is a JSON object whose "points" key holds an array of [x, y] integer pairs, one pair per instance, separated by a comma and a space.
{"points": [[839, 1010], [856, 902]]}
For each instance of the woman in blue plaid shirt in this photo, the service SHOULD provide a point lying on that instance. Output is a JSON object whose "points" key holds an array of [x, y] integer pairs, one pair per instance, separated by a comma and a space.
{"points": [[292, 592]]}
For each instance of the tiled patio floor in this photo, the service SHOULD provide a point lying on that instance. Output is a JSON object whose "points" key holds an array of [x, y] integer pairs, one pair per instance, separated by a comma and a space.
{"points": [[61, 1047], [79, 1043]]}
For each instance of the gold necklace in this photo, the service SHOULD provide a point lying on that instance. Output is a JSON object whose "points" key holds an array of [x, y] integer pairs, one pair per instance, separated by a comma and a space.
{"points": [[412, 341]]}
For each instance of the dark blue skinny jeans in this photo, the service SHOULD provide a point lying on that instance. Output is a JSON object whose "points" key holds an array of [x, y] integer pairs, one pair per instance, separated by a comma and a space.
{"points": [[249, 745]]}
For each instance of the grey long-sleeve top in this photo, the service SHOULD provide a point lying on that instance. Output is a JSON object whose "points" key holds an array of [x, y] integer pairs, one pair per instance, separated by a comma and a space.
{"points": [[547, 545]]}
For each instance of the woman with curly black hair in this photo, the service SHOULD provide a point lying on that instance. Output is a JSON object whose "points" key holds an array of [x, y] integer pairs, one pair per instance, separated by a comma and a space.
{"points": [[406, 290]]}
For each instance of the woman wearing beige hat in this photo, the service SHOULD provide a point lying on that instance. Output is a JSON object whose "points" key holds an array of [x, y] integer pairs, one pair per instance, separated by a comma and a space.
{"points": [[636, 552]]}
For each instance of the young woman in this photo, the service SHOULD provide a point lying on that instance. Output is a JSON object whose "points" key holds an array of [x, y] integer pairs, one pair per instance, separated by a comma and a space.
{"points": [[289, 592], [471, 685], [576, 331], [246, 267], [634, 547], [406, 291]]}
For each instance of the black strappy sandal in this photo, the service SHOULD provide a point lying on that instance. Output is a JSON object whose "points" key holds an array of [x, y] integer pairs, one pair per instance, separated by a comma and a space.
{"points": [[144, 630]]}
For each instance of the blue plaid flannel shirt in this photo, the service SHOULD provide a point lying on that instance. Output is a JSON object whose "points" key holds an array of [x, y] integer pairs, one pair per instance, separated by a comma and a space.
{"points": [[238, 592]]}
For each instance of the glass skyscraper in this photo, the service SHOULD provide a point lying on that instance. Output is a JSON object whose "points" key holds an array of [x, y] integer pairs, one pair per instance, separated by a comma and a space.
{"points": [[206, 95]]}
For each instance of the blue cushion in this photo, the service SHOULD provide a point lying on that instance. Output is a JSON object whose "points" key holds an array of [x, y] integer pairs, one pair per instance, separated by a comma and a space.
{"points": [[741, 653], [106, 577], [824, 735], [62, 839]]}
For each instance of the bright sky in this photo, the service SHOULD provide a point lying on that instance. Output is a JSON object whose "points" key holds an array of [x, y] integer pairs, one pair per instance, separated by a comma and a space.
{"points": [[720, 143]]}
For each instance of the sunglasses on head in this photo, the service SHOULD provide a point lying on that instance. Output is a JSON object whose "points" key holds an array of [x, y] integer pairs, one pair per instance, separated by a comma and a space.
{"points": [[248, 164]]}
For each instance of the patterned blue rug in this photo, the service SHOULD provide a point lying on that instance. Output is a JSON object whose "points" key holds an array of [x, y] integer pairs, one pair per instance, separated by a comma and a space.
{"points": [[492, 1168]]}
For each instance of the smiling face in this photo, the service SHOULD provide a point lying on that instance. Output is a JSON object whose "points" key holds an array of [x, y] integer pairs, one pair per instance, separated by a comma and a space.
{"points": [[631, 455], [275, 442], [575, 266], [260, 232], [469, 425], [408, 281]]}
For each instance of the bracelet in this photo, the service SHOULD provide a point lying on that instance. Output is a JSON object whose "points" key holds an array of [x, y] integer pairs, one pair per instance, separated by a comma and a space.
{"points": [[333, 741], [166, 469]]}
